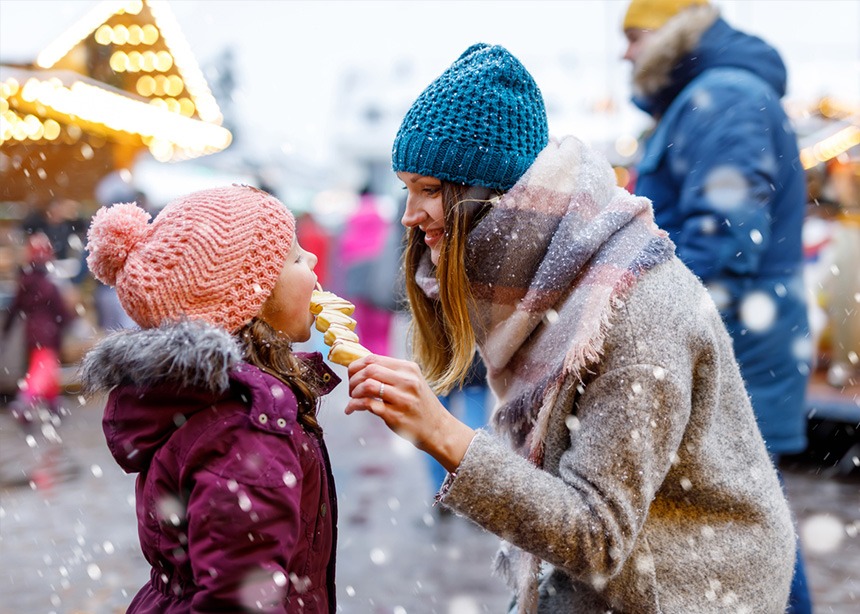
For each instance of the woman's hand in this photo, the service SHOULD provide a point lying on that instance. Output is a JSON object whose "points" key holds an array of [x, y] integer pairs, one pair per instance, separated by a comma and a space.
{"points": [[396, 391]]}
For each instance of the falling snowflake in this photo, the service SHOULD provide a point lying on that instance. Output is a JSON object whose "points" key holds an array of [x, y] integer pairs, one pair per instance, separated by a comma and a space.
{"points": [[801, 348], [464, 604], [726, 188], [709, 225], [702, 99], [170, 510], [758, 311], [262, 590], [822, 533], [720, 295], [573, 423]]}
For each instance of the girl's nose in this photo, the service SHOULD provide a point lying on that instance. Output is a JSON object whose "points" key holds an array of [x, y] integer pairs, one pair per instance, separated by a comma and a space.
{"points": [[311, 259]]}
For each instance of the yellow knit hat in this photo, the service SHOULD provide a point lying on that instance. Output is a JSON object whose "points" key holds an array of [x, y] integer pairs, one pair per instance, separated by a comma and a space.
{"points": [[653, 14]]}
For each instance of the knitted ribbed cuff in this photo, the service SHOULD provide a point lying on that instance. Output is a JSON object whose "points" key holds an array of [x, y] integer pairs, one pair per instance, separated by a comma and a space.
{"points": [[457, 162]]}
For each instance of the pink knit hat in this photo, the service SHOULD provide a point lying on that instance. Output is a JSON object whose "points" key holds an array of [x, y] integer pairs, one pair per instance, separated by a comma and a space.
{"points": [[213, 255]]}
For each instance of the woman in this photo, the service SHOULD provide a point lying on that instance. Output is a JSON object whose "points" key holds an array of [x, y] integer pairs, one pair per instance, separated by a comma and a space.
{"points": [[634, 478]]}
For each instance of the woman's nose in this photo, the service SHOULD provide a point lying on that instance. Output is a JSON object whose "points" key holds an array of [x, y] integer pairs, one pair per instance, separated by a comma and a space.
{"points": [[413, 215]]}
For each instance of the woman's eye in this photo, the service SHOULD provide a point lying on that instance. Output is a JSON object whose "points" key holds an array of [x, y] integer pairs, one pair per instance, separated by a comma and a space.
{"points": [[432, 191]]}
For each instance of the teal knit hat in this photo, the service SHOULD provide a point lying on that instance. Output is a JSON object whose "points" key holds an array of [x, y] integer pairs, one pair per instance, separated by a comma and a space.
{"points": [[482, 122]]}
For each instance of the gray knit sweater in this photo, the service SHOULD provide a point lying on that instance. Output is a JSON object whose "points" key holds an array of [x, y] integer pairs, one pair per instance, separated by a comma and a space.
{"points": [[657, 493]]}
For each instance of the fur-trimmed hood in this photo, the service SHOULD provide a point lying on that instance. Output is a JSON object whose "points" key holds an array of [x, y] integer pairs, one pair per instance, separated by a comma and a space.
{"points": [[189, 354], [691, 42], [158, 378]]}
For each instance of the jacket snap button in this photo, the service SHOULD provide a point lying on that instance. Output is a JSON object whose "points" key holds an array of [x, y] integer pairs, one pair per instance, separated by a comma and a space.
{"points": [[263, 418], [282, 423], [322, 509]]}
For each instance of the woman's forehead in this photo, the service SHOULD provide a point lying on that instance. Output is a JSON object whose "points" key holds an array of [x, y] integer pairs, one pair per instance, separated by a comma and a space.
{"points": [[410, 178]]}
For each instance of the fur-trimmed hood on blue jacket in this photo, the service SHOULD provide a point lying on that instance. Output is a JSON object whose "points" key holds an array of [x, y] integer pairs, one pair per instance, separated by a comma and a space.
{"points": [[690, 43]]}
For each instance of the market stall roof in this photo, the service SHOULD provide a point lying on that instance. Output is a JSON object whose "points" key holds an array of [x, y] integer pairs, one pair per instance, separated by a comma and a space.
{"points": [[35, 105], [124, 72]]}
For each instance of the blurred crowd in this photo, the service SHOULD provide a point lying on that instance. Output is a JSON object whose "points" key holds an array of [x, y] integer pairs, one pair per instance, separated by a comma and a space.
{"points": [[359, 258]]}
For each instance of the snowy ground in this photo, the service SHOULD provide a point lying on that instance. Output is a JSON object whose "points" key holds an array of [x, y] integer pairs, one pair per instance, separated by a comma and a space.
{"points": [[68, 541]]}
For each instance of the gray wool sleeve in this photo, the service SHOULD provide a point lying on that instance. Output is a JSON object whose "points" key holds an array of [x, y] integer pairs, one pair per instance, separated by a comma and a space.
{"points": [[586, 517], [656, 485]]}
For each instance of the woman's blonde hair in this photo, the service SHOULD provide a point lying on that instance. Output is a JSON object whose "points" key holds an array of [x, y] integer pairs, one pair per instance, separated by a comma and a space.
{"points": [[266, 350], [443, 342]]}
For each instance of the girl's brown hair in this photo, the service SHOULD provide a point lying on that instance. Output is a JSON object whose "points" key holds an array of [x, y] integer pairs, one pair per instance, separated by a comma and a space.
{"points": [[443, 342], [266, 350]]}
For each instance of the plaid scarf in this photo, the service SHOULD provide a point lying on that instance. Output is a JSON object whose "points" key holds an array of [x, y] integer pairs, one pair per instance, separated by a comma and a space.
{"points": [[546, 266]]}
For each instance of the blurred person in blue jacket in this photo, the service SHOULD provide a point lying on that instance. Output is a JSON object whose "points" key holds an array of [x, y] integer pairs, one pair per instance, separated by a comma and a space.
{"points": [[723, 171], [469, 404]]}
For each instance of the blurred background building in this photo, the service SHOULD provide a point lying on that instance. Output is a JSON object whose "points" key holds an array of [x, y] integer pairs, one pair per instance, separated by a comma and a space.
{"points": [[145, 100]]}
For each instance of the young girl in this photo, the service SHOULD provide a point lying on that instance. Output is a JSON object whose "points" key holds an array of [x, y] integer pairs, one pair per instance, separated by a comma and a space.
{"points": [[211, 408], [634, 479]]}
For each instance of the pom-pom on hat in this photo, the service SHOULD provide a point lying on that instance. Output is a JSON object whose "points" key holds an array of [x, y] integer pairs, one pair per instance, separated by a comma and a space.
{"points": [[213, 255], [653, 14], [482, 122]]}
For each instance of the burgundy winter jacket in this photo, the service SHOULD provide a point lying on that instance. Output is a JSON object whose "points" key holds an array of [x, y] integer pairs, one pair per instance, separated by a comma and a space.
{"points": [[39, 301], [236, 503]]}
